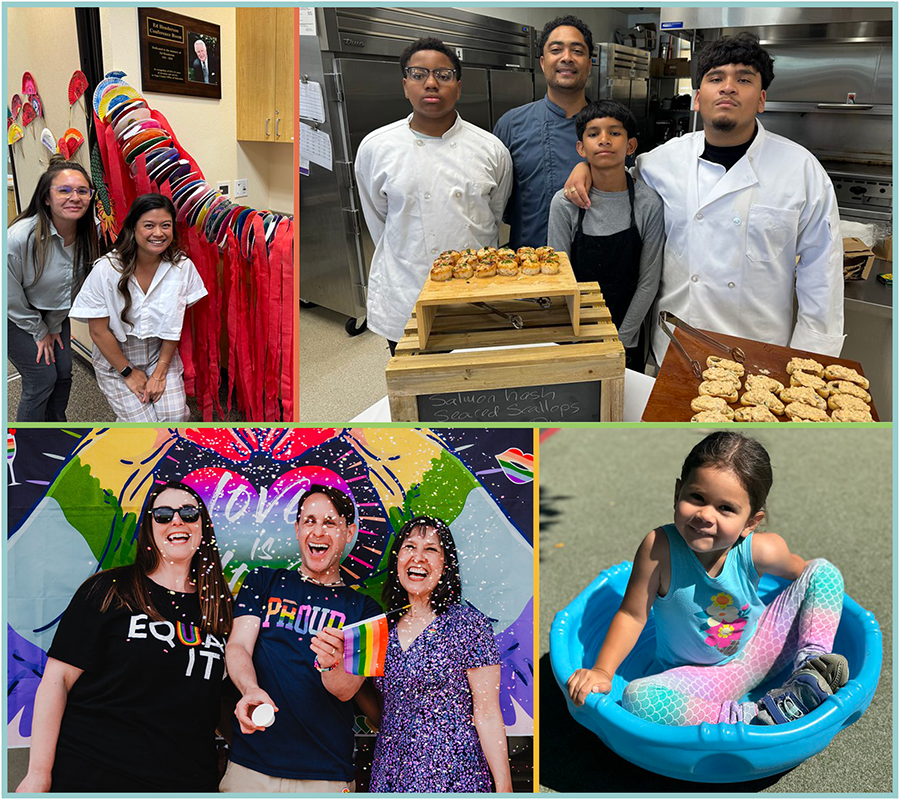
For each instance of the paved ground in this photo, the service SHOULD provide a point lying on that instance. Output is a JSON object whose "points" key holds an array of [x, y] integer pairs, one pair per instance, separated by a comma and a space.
{"points": [[603, 489]]}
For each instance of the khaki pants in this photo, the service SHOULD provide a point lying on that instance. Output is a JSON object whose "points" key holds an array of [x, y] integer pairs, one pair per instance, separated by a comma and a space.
{"points": [[248, 781]]}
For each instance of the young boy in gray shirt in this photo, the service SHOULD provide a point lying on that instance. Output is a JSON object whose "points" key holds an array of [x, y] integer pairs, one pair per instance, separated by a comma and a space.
{"points": [[619, 240]]}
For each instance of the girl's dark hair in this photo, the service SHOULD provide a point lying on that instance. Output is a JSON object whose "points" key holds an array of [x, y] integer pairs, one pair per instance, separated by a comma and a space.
{"points": [[342, 504], [128, 588], [448, 589], [741, 49], [746, 458], [85, 229], [125, 248]]}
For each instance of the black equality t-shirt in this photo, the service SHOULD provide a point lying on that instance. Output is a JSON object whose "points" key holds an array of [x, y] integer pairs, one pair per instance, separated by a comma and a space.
{"points": [[142, 716]]}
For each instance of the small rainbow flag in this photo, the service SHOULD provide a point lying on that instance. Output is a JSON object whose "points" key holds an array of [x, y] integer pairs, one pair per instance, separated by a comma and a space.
{"points": [[517, 466], [365, 646]]}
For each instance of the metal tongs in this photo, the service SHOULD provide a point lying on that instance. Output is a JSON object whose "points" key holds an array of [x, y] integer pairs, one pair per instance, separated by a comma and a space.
{"points": [[513, 319], [667, 316]]}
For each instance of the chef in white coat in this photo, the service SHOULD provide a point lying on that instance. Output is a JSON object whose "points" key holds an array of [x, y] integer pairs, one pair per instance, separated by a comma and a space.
{"points": [[427, 183], [751, 217]]}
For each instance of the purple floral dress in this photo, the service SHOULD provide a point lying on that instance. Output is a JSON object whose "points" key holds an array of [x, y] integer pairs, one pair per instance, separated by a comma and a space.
{"points": [[428, 741]]}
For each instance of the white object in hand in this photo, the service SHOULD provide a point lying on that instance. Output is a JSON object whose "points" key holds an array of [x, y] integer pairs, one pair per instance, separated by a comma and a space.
{"points": [[263, 715]]}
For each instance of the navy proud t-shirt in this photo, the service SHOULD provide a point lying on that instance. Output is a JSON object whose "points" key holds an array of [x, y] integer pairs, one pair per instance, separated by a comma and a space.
{"points": [[142, 717], [312, 736]]}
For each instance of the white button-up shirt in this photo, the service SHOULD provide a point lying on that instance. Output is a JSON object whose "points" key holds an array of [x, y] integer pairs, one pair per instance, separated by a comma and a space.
{"points": [[158, 313], [733, 238], [420, 196]]}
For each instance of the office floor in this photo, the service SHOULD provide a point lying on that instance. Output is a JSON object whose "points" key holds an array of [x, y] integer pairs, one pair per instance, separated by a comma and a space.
{"points": [[86, 402], [340, 375], [602, 490]]}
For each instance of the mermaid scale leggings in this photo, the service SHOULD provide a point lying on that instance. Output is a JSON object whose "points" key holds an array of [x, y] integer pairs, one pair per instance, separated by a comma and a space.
{"points": [[801, 622]]}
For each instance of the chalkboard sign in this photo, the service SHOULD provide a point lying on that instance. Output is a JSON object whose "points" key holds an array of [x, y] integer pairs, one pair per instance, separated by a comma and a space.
{"points": [[559, 402]]}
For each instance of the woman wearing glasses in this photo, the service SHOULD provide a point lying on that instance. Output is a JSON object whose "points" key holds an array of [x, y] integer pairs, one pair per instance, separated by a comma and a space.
{"points": [[50, 248], [130, 696], [134, 300]]}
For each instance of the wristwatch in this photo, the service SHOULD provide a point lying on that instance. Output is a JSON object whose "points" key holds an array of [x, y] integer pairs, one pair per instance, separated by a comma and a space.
{"points": [[126, 370]]}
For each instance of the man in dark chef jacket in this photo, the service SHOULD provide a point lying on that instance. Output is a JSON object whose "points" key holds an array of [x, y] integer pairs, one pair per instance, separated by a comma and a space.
{"points": [[541, 136], [751, 217]]}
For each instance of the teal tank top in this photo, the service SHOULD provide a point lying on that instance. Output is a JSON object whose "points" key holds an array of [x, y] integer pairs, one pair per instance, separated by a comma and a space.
{"points": [[704, 620]]}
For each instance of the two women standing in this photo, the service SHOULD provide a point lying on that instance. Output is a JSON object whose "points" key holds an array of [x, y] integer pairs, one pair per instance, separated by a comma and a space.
{"points": [[135, 299]]}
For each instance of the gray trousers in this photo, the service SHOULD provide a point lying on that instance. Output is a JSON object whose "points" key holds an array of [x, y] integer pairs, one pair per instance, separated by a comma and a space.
{"points": [[45, 387]]}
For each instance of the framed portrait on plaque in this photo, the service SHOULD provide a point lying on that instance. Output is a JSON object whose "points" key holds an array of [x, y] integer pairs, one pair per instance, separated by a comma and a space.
{"points": [[179, 55]]}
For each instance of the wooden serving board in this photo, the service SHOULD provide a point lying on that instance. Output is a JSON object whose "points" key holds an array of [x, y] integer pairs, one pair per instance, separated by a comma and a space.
{"points": [[676, 385], [436, 294]]}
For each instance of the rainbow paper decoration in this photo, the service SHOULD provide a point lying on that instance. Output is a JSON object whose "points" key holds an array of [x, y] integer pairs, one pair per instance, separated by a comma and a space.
{"points": [[516, 465], [365, 646]]}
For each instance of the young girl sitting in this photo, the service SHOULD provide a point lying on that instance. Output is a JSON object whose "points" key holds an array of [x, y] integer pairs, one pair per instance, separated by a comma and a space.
{"points": [[716, 640], [134, 300]]}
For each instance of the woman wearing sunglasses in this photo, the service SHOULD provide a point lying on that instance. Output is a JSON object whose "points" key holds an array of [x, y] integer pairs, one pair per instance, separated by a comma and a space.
{"points": [[134, 301], [131, 694], [50, 248]]}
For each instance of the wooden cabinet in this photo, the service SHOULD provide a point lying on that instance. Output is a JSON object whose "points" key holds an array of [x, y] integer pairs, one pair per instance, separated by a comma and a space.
{"points": [[265, 74]]}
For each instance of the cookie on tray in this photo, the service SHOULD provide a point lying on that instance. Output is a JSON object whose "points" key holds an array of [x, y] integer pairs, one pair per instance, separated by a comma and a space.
{"points": [[851, 415], [707, 402], [721, 374], [723, 389], [731, 366], [763, 382], [800, 412], [754, 414], [710, 416], [809, 381], [760, 397], [837, 372], [844, 401], [803, 394], [809, 365], [846, 387]]}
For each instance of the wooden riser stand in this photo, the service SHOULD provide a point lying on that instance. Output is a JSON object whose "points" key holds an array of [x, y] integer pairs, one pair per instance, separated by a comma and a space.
{"points": [[593, 359]]}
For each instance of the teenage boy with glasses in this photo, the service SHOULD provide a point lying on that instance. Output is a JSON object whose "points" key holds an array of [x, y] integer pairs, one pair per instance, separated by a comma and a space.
{"points": [[427, 183]]}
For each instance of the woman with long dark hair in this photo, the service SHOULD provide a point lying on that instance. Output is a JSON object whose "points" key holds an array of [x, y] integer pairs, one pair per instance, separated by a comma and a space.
{"points": [[134, 300], [441, 728], [50, 248], [131, 694]]}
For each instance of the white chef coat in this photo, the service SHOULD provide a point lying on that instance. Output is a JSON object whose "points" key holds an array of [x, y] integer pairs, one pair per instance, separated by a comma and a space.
{"points": [[422, 195], [158, 313], [732, 240]]}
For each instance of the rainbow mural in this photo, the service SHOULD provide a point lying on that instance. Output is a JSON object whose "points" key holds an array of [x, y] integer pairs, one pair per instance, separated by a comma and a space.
{"points": [[76, 494]]}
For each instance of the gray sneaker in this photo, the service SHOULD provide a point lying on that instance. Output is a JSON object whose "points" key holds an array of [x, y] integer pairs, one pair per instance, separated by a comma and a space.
{"points": [[815, 679]]}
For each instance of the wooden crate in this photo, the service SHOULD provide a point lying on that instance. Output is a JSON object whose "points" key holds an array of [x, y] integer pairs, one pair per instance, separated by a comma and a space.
{"points": [[583, 377], [676, 385], [438, 296]]}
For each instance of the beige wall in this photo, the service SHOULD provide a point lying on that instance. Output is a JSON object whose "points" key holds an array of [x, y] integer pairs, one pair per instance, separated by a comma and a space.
{"points": [[206, 127], [32, 35], [43, 41]]}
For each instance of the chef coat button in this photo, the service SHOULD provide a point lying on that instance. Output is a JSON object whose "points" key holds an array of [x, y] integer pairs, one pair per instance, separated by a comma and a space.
{"points": [[695, 278], [457, 194], [452, 144], [427, 196], [730, 284], [699, 215], [434, 249], [420, 142], [736, 220]]}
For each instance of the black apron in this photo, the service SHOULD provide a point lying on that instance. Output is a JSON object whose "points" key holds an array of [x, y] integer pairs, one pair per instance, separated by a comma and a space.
{"points": [[613, 261]]}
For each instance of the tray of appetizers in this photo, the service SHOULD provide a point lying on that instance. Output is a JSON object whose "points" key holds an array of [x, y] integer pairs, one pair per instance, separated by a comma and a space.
{"points": [[492, 274]]}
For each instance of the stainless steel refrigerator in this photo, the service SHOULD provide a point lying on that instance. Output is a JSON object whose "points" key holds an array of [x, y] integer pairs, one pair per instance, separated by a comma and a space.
{"points": [[354, 56]]}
